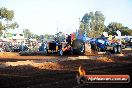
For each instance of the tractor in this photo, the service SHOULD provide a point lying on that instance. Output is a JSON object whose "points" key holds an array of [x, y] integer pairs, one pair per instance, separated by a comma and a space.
{"points": [[72, 45], [103, 43]]}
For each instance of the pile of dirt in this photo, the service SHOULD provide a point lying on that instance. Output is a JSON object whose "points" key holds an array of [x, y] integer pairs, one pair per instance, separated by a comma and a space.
{"points": [[15, 55], [8, 54], [49, 65], [21, 64], [104, 59], [61, 74]]}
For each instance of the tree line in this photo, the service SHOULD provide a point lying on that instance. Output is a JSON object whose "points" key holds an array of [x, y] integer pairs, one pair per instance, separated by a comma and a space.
{"points": [[93, 24], [7, 19]]}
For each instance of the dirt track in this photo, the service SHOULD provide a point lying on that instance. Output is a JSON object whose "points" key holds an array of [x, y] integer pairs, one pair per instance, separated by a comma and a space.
{"points": [[60, 72]]}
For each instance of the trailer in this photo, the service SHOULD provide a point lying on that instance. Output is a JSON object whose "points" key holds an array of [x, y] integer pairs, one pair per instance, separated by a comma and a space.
{"points": [[74, 44], [103, 44], [77, 46]]}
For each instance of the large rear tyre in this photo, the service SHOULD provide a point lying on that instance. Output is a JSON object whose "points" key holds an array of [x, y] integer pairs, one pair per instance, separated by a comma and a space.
{"points": [[78, 46]]}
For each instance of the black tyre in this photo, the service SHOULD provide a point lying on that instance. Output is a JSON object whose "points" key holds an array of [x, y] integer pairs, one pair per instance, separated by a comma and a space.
{"points": [[115, 49], [119, 49], [78, 46]]}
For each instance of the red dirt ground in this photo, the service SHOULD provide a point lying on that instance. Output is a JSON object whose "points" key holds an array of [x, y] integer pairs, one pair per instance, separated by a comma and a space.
{"points": [[60, 72]]}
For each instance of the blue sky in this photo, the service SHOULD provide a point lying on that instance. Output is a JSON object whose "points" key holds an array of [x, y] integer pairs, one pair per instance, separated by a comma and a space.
{"points": [[44, 16]]}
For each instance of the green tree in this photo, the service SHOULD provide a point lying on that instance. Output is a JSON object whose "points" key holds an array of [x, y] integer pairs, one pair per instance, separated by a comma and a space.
{"points": [[126, 31], [60, 36], [99, 22], [114, 26], [81, 27], [93, 22], [6, 19], [36, 37], [85, 23], [46, 36], [27, 33]]}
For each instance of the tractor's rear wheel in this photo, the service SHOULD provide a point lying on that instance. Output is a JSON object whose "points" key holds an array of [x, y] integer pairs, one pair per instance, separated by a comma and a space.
{"points": [[78, 46]]}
